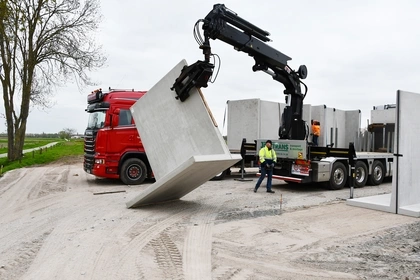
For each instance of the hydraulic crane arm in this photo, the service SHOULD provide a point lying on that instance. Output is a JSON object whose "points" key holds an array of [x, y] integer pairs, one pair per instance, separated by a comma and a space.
{"points": [[225, 25]]}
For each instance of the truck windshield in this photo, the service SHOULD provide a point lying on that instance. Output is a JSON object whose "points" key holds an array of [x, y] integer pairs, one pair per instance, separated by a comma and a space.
{"points": [[96, 119]]}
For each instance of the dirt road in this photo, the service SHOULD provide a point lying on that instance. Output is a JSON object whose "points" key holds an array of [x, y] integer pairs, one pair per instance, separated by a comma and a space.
{"points": [[54, 224]]}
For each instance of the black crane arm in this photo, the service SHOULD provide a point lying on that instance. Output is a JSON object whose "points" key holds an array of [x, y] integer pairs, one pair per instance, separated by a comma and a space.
{"points": [[225, 25]]}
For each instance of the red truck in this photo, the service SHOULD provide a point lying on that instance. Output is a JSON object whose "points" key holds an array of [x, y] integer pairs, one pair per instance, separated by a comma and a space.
{"points": [[112, 145]]}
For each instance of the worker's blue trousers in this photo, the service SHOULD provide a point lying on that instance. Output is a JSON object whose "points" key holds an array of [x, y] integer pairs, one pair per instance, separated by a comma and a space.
{"points": [[269, 173]]}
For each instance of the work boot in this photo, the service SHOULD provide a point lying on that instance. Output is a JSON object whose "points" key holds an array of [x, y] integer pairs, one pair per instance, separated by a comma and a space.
{"points": [[270, 191]]}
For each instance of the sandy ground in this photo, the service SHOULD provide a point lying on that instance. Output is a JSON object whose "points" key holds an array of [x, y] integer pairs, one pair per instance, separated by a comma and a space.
{"points": [[55, 224]]}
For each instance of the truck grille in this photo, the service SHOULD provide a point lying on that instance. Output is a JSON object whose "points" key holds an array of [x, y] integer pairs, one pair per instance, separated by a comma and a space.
{"points": [[89, 150]]}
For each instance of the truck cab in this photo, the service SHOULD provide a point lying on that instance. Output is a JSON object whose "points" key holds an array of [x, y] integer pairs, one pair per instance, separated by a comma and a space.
{"points": [[112, 147]]}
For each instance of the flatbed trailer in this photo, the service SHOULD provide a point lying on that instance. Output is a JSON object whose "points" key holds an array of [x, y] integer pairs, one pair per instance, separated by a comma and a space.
{"points": [[302, 163]]}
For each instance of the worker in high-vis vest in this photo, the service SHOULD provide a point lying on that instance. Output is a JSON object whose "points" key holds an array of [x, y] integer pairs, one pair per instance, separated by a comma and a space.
{"points": [[316, 131], [268, 158]]}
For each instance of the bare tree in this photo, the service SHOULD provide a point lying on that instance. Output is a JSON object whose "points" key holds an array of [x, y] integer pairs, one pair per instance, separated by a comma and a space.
{"points": [[66, 133], [43, 44]]}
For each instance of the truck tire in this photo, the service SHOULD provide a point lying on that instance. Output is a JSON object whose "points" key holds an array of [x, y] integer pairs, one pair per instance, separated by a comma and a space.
{"points": [[219, 176], [133, 171], [338, 177], [378, 173], [361, 172]]}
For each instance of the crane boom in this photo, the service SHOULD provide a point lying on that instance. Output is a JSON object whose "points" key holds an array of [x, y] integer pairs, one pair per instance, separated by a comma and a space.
{"points": [[225, 25]]}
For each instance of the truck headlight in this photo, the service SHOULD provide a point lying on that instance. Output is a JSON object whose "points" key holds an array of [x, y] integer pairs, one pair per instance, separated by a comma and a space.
{"points": [[99, 161]]}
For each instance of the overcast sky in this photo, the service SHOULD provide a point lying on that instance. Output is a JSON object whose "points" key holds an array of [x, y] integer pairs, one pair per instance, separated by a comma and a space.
{"points": [[358, 53]]}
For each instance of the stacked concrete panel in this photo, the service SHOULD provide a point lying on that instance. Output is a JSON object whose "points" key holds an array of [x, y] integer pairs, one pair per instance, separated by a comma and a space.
{"points": [[337, 126], [258, 119], [307, 114], [405, 196], [383, 115], [183, 145], [323, 114], [252, 119], [352, 127]]}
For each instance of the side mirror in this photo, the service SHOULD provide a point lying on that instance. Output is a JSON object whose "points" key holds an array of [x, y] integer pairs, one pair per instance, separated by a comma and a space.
{"points": [[115, 117]]}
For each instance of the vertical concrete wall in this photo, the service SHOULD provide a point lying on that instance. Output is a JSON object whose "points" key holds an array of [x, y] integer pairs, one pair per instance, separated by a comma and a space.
{"points": [[352, 127], [243, 121], [252, 119], [406, 189], [307, 114], [405, 196], [319, 112], [339, 129], [383, 116], [270, 119], [346, 125]]}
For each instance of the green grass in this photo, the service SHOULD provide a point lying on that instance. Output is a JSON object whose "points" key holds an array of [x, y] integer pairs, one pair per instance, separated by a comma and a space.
{"points": [[60, 151], [30, 143]]}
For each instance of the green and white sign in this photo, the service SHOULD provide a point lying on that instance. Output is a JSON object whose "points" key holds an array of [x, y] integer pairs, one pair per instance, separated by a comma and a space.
{"points": [[293, 149]]}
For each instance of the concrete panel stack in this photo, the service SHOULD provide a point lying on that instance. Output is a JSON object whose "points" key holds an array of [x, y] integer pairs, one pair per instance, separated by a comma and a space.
{"points": [[338, 127], [258, 119]]}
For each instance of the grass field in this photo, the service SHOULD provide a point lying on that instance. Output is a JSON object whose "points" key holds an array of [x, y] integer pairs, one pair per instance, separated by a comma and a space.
{"points": [[29, 143], [61, 150]]}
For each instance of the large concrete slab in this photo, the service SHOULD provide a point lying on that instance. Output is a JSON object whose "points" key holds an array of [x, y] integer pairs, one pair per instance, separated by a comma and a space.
{"points": [[405, 196], [184, 179], [182, 142]]}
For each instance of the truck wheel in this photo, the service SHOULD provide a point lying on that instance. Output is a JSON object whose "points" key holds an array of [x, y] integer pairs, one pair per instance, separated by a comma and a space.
{"points": [[338, 177], [378, 172], [133, 171], [361, 173], [219, 176]]}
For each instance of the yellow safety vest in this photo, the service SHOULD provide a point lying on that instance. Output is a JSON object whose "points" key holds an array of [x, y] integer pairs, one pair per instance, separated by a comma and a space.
{"points": [[267, 154]]}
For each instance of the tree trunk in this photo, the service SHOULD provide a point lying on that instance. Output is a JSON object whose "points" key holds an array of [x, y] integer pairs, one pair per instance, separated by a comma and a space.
{"points": [[16, 128], [15, 139]]}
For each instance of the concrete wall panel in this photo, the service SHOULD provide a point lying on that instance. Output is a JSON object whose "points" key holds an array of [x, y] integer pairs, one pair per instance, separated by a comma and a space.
{"points": [[243, 121], [173, 133], [177, 130], [407, 188], [318, 113], [405, 196], [352, 126], [252, 119], [307, 114], [270, 119], [383, 116]]}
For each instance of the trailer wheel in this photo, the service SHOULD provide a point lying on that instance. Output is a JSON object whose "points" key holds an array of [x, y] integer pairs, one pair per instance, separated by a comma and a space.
{"points": [[378, 172], [133, 171], [338, 177], [361, 173], [219, 176]]}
